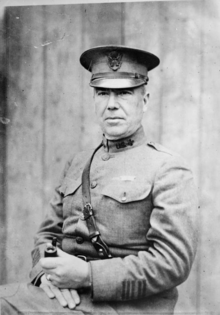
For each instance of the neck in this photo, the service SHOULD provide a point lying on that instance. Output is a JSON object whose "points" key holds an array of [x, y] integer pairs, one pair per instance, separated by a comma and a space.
{"points": [[126, 143]]}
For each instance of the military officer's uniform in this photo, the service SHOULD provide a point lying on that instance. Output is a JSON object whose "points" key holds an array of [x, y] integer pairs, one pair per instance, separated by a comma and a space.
{"points": [[145, 208]]}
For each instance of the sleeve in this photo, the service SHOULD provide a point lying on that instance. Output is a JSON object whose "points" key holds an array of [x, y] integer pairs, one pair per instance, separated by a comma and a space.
{"points": [[50, 227], [172, 235]]}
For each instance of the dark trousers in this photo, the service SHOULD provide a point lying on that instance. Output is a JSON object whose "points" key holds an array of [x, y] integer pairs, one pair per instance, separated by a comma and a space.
{"points": [[26, 299]]}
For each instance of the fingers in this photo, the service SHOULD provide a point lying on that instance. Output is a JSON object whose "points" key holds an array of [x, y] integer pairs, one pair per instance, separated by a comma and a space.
{"points": [[52, 291], [44, 279], [71, 298], [47, 290], [65, 297], [75, 296], [60, 295], [45, 285]]}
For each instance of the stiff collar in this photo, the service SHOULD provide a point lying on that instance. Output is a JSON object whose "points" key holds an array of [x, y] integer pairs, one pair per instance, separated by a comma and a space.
{"points": [[114, 146]]}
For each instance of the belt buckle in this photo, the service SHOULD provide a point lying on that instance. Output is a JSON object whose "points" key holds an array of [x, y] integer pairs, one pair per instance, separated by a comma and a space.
{"points": [[87, 211], [82, 257]]}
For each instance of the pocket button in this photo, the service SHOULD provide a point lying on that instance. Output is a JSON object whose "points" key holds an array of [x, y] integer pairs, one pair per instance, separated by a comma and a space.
{"points": [[93, 184], [124, 197]]}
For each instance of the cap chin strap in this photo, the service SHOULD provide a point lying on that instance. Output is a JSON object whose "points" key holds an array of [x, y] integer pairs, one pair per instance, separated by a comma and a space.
{"points": [[119, 75]]}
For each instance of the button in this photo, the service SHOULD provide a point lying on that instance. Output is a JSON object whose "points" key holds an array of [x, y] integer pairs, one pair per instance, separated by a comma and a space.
{"points": [[79, 240], [124, 198], [105, 157], [93, 184]]}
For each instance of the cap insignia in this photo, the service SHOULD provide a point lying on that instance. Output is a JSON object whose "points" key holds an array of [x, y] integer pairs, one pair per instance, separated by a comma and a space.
{"points": [[114, 60]]}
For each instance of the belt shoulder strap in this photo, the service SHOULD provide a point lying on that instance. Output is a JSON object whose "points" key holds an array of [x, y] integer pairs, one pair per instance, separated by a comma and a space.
{"points": [[88, 213]]}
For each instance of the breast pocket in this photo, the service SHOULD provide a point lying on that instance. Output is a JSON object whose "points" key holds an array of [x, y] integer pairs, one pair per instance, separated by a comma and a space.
{"points": [[127, 191], [126, 207]]}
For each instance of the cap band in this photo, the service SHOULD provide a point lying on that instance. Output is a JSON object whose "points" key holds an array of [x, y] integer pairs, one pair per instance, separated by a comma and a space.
{"points": [[119, 75]]}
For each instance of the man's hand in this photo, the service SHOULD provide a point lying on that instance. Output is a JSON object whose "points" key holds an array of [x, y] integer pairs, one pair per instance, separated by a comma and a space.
{"points": [[66, 297], [66, 271]]}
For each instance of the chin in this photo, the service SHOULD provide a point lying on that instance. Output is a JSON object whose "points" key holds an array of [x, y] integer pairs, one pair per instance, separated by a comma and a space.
{"points": [[116, 135], [117, 132]]}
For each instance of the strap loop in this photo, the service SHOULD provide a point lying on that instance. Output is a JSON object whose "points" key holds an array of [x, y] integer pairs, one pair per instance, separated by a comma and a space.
{"points": [[93, 235]]}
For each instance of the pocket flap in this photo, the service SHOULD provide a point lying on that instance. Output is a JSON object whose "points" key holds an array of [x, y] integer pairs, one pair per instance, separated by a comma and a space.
{"points": [[69, 186], [127, 191]]}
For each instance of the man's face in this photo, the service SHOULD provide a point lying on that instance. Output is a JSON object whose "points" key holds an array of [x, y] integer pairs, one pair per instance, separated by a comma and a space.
{"points": [[119, 112]]}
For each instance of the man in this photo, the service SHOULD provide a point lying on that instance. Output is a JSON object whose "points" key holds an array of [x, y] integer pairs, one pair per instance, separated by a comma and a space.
{"points": [[126, 220]]}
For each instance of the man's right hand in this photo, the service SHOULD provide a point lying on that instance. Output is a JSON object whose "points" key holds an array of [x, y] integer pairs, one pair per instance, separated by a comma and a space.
{"points": [[66, 297]]}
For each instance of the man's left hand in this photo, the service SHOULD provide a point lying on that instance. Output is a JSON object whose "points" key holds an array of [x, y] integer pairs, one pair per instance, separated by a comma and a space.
{"points": [[66, 271]]}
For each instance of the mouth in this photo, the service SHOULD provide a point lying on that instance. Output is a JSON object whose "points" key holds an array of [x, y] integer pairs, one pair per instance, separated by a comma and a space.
{"points": [[114, 121], [113, 118]]}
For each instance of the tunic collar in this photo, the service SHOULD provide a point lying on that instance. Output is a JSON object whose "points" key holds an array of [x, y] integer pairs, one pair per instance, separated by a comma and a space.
{"points": [[114, 146]]}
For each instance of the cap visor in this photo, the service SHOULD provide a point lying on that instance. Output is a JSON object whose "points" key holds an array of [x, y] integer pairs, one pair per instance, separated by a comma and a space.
{"points": [[117, 83]]}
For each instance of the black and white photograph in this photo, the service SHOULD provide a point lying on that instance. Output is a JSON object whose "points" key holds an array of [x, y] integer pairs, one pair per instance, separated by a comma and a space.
{"points": [[109, 157]]}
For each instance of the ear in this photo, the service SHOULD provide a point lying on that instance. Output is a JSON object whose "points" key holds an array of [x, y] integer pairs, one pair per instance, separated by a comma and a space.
{"points": [[94, 104], [146, 98]]}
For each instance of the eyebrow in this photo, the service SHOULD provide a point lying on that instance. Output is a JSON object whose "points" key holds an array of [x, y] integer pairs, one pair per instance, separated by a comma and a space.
{"points": [[114, 90]]}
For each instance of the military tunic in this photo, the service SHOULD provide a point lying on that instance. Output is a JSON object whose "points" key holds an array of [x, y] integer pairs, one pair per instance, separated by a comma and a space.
{"points": [[145, 208]]}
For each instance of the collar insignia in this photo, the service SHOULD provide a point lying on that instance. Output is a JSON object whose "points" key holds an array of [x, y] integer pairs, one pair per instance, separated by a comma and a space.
{"points": [[124, 144], [114, 60]]}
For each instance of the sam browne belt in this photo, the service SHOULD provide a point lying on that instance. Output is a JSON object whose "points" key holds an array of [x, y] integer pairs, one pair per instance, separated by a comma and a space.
{"points": [[88, 213]]}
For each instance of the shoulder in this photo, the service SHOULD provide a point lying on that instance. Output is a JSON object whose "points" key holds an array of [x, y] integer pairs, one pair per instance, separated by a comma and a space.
{"points": [[76, 162], [160, 149], [158, 154], [164, 158], [80, 156]]}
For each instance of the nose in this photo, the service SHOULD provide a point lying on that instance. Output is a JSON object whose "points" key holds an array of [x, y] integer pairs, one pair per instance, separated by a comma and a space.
{"points": [[112, 101]]}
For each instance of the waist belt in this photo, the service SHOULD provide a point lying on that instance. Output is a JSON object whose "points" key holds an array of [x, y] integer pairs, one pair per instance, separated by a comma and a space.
{"points": [[88, 213]]}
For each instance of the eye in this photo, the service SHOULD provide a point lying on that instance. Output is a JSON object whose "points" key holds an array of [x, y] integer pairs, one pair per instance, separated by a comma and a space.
{"points": [[124, 93], [102, 93]]}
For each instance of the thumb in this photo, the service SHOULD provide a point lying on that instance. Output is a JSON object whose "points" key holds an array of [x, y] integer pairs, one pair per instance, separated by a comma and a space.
{"points": [[61, 253]]}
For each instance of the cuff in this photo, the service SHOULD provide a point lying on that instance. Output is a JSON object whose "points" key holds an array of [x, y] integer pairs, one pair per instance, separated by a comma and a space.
{"points": [[37, 281], [37, 271], [106, 279]]}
